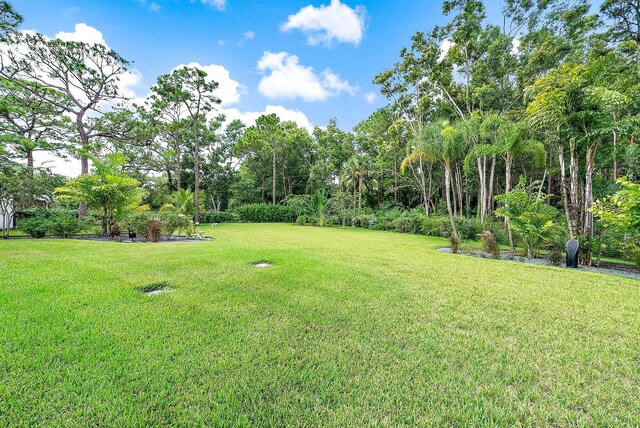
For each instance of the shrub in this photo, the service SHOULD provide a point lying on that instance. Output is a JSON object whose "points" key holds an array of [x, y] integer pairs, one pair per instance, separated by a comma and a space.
{"points": [[500, 233], [218, 217], [264, 213], [139, 222], [116, 232], [467, 228], [64, 223], [489, 244], [301, 219], [39, 222], [174, 223], [384, 219], [361, 220], [154, 229], [555, 256], [410, 222], [149, 224], [435, 226], [36, 227]]}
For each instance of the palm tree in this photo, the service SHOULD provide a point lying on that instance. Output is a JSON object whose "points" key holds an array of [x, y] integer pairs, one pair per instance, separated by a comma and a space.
{"points": [[439, 142], [182, 202], [512, 142], [357, 175]]}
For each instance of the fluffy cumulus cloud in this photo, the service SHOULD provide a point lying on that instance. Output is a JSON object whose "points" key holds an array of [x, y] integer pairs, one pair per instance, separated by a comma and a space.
{"points": [[218, 4], [326, 24], [285, 114], [445, 47], [285, 77], [515, 46], [228, 90], [82, 33]]}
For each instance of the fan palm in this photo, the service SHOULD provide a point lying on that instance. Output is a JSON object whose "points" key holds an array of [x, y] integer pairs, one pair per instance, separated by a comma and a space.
{"points": [[182, 202]]}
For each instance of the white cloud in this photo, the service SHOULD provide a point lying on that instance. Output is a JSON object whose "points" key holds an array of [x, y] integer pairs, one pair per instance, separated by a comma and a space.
{"points": [[249, 35], [154, 7], [82, 33], [218, 4], [130, 80], [371, 97], [67, 167], [324, 24], [515, 46], [228, 90], [287, 78], [445, 46], [285, 114]]}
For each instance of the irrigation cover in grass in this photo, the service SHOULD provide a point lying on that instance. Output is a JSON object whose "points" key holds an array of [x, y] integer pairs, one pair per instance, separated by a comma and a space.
{"points": [[155, 288], [261, 264]]}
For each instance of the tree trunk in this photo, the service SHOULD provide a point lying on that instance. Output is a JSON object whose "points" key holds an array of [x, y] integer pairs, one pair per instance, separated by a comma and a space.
{"points": [[84, 169], [423, 189], [587, 226], [459, 182], [196, 172], [395, 179], [615, 157], [507, 188], [104, 222], [482, 188], [273, 176], [563, 191], [574, 183], [178, 166], [169, 180], [447, 185], [492, 174]]}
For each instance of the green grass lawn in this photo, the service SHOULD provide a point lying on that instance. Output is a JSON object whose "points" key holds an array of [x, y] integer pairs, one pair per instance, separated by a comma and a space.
{"points": [[346, 328]]}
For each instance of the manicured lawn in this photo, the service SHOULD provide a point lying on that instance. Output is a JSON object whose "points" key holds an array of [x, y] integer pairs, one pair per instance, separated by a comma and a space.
{"points": [[346, 328]]}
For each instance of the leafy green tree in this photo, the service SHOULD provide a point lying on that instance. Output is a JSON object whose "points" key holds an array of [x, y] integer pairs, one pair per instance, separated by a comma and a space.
{"points": [[357, 175], [108, 190], [625, 15], [621, 211], [87, 74], [265, 140], [9, 19], [188, 88], [31, 123], [529, 215], [340, 205], [333, 147]]}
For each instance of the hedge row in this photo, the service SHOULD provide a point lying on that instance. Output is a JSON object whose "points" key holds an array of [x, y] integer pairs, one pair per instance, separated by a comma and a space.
{"points": [[414, 222], [265, 213], [218, 217]]}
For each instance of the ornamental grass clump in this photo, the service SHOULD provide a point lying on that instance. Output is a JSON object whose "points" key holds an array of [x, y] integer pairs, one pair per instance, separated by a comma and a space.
{"points": [[490, 244]]}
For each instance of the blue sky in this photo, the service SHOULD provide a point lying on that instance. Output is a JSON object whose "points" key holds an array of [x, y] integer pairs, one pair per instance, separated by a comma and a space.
{"points": [[158, 35], [265, 54]]}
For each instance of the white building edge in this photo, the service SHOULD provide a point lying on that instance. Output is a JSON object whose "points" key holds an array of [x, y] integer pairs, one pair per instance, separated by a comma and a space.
{"points": [[5, 218]]}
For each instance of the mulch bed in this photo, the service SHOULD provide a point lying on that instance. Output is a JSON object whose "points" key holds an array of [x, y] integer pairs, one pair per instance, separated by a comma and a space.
{"points": [[608, 268]]}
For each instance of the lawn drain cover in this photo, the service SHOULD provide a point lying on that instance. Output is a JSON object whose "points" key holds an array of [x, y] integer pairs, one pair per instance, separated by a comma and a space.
{"points": [[155, 288], [261, 264]]}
